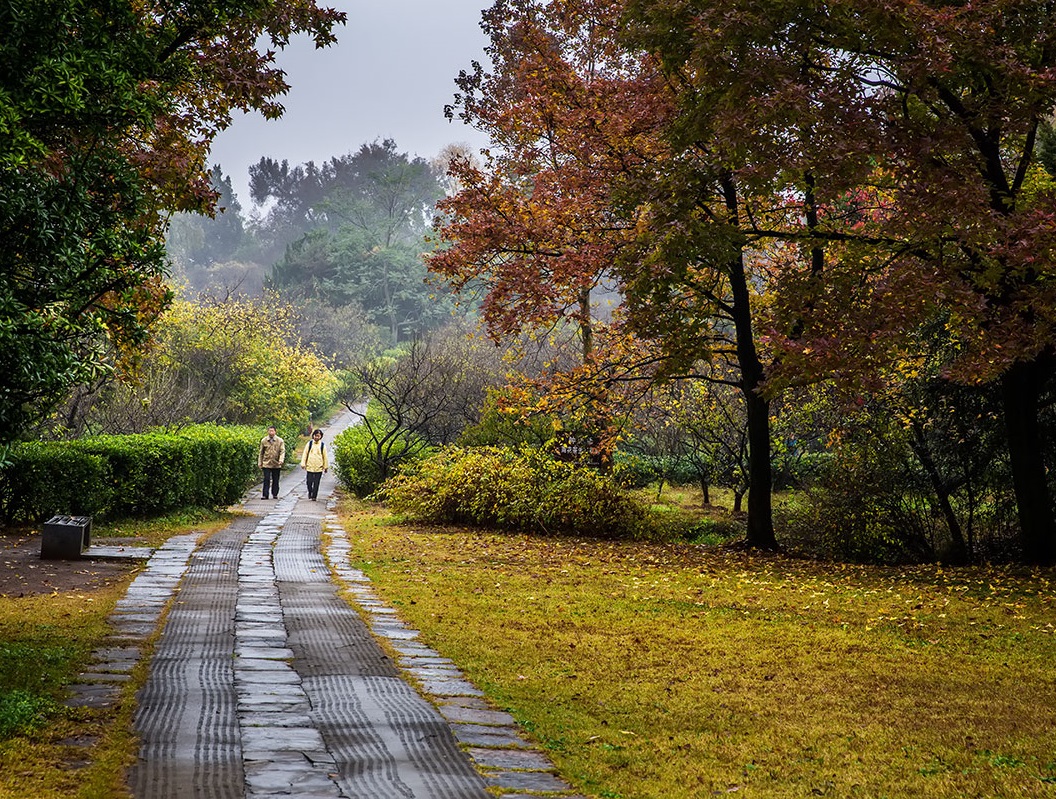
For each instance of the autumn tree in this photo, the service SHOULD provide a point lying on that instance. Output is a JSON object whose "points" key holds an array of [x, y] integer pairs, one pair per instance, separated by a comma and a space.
{"points": [[573, 197], [903, 139], [526, 225], [109, 109]]}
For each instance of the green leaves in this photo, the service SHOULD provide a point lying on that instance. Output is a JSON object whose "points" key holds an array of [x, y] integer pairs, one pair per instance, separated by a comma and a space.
{"points": [[107, 110]]}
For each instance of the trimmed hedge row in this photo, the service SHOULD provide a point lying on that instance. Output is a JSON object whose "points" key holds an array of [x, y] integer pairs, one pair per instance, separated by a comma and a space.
{"points": [[133, 475]]}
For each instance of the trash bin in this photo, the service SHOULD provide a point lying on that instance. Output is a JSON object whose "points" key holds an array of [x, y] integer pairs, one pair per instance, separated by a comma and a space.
{"points": [[65, 537]]}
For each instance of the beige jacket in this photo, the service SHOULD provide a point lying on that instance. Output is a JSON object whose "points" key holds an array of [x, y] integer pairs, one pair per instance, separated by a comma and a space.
{"points": [[272, 453]]}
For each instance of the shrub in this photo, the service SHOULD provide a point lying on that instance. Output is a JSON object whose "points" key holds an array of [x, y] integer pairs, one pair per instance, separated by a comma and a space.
{"points": [[366, 455], [502, 428], [524, 489], [135, 475], [43, 478], [353, 464], [639, 470], [865, 525]]}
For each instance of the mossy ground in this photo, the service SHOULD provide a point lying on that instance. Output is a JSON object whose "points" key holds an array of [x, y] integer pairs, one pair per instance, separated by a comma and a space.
{"points": [[675, 670]]}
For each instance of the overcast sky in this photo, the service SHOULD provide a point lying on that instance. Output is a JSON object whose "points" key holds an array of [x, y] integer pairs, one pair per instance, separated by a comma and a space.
{"points": [[389, 76]]}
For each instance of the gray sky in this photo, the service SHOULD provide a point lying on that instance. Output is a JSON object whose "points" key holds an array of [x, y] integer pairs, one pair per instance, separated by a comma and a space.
{"points": [[389, 76]]}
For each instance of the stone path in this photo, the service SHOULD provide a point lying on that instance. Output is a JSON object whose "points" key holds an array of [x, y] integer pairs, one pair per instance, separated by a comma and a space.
{"points": [[265, 682]]}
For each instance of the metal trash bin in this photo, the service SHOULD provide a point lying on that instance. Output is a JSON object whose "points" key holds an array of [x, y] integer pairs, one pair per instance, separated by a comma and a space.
{"points": [[65, 537]]}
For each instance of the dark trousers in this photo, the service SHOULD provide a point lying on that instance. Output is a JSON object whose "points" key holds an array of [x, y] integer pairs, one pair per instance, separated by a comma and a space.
{"points": [[271, 477], [313, 484]]}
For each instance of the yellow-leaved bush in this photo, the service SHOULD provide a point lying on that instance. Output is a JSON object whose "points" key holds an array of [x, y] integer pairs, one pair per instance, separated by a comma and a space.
{"points": [[245, 353], [515, 489]]}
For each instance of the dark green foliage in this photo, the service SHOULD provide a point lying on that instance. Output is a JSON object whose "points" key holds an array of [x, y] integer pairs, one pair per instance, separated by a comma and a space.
{"points": [[639, 470], [53, 477], [799, 469], [353, 232], [78, 240], [515, 489], [348, 267], [135, 475], [933, 484], [874, 504], [365, 456], [30, 677]]}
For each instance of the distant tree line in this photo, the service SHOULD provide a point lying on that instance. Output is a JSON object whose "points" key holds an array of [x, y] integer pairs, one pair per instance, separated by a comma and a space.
{"points": [[349, 233]]}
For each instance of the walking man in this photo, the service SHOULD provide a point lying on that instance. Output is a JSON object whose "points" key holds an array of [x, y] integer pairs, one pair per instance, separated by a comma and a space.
{"points": [[270, 459]]}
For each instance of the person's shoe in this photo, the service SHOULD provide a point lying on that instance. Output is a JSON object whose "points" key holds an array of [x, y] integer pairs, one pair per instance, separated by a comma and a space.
{"points": [[264, 497]]}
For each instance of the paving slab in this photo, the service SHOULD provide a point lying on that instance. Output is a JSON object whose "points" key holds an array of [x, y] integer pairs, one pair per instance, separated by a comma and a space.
{"points": [[519, 759], [108, 552], [497, 737], [266, 682], [539, 781], [467, 715]]}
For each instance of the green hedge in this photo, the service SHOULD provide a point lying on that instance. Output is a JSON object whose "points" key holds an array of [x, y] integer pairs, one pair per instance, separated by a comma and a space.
{"points": [[638, 470], [525, 489], [361, 463], [134, 475]]}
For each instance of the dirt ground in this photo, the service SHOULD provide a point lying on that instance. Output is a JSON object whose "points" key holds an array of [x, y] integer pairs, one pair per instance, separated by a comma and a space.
{"points": [[24, 573]]}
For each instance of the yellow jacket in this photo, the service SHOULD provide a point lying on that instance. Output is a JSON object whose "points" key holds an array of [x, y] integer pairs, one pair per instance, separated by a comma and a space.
{"points": [[316, 457]]}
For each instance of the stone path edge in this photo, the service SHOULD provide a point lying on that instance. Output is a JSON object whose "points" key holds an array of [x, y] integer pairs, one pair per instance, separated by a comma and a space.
{"points": [[491, 738], [134, 624]]}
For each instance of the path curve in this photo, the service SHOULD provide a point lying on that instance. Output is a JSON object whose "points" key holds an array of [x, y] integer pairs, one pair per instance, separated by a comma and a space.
{"points": [[265, 682]]}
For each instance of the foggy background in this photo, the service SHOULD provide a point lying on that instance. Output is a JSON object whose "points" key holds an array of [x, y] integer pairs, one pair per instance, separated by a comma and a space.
{"points": [[390, 75]]}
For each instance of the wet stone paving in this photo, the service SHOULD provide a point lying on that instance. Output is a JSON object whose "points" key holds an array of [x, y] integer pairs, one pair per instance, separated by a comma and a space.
{"points": [[265, 682]]}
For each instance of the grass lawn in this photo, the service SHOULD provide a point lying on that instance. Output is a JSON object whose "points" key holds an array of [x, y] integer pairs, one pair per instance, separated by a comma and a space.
{"points": [[667, 671]]}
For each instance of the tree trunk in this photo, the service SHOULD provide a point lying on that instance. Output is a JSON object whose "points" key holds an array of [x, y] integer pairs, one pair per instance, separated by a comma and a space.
{"points": [[760, 479], [760, 522], [1021, 389], [959, 551]]}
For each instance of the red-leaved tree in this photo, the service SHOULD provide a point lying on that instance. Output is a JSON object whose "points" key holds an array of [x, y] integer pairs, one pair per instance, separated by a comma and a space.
{"points": [[905, 135]]}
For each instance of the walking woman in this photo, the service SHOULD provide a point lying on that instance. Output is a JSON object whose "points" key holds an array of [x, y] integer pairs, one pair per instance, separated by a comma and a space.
{"points": [[315, 459]]}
